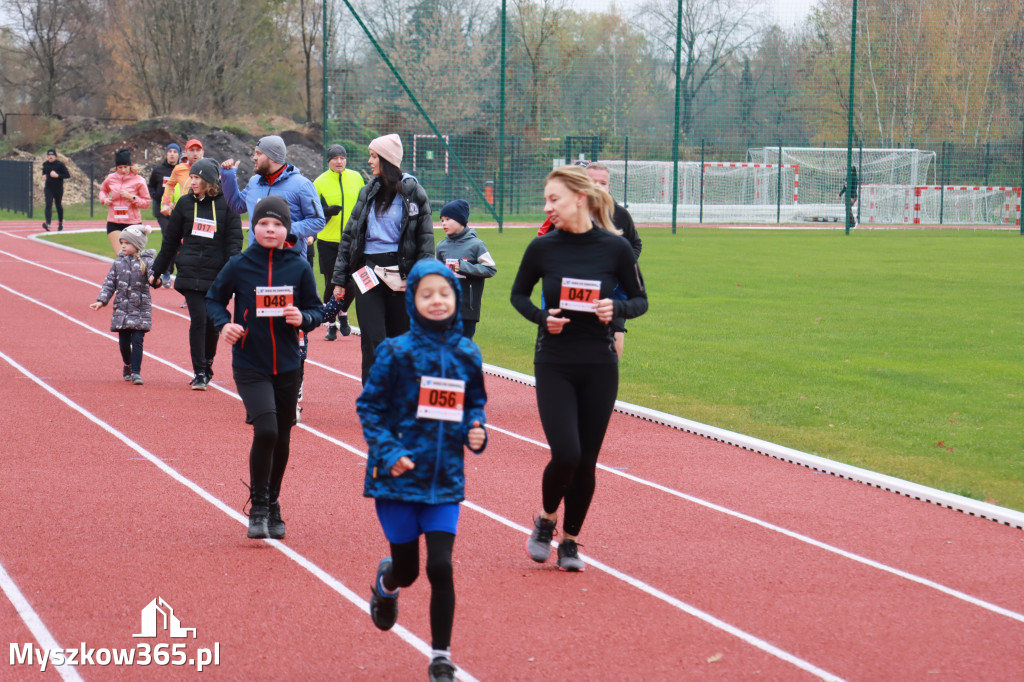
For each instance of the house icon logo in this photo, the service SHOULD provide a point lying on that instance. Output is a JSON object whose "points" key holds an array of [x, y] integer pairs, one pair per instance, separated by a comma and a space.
{"points": [[158, 611]]}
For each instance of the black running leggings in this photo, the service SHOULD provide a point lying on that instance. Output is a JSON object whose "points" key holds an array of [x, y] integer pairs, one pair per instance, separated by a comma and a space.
{"points": [[405, 568], [270, 407], [130, 341], [202, 334], [575, 403]]}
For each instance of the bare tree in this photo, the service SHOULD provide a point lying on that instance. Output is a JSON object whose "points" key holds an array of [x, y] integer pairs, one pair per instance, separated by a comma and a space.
{"points": [[715, 33], [305, 19], [534, 25], [49, 39]]}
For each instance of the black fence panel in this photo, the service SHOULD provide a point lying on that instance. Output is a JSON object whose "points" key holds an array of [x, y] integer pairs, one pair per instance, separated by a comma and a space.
{"points": [[16, 186]]}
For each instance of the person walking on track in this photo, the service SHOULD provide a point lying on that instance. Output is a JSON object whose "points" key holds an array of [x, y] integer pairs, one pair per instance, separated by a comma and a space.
{"points": [[390, 229], [55, 173], [125, 193], [339, 188], [127, 284], [424, 401], [575, 363], [275, 296], [159, 178], [202, 233]]}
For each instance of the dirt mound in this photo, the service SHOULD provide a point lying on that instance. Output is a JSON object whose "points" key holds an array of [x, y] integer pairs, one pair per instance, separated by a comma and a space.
{"points": [[149, 139]]}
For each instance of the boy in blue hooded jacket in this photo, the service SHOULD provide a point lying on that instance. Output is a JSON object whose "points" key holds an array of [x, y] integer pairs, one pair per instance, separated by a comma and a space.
{"points": [[423, 401]]}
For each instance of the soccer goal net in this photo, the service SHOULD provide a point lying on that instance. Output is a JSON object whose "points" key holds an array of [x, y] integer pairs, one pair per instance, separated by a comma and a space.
{"points": [[939, 205], [714, 191]]}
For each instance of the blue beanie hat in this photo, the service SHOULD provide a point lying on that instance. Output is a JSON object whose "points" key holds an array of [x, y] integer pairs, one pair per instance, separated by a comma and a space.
{"points": [[457, 210], [175, 146]]}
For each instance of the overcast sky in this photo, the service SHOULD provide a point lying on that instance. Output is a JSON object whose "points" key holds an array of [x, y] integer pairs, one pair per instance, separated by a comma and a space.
{"points": [[787, 12]]}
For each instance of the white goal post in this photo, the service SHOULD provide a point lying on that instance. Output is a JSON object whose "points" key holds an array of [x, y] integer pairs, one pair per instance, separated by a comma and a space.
{"points": [[940, 204]]}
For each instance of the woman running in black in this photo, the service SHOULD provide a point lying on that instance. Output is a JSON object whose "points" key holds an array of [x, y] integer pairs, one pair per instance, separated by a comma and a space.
{"points": [[575, 363]]}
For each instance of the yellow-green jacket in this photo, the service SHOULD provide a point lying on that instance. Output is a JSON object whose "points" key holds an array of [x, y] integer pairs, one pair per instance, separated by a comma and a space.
{"points": [[338, 191]]}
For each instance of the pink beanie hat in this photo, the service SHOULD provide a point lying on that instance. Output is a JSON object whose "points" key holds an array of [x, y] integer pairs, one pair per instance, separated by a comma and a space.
{"points": [[389, 148]]}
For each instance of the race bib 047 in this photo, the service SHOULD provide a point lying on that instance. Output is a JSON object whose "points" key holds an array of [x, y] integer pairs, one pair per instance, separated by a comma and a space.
{"points": [[579, 294]]}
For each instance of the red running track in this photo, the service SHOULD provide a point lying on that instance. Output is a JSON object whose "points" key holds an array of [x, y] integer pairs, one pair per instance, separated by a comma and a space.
{"points": [[705, 561]]}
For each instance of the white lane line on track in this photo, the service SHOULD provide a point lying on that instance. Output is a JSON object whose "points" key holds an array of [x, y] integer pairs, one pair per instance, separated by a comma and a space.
{"points": [[35, 625], [658, 594], [298, 558], [920, 580]]}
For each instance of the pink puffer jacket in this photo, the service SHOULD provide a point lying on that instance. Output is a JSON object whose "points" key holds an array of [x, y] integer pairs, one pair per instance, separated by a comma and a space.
{"points": [[125, 211]]}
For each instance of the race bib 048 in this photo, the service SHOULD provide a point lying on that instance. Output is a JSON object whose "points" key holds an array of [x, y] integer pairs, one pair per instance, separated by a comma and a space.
{"points": [[271, 301], [579, 294], [441, 399]]}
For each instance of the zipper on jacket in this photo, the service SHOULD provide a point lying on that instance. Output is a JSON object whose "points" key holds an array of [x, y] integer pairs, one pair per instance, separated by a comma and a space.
{"points": [[270, 320]]}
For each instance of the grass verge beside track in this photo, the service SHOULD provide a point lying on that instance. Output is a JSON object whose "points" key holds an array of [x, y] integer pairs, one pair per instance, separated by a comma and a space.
{"points": [[896, 351]]}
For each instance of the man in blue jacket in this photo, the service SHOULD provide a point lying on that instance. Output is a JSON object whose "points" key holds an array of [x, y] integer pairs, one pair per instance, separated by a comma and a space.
{"points": [[272, 174]]}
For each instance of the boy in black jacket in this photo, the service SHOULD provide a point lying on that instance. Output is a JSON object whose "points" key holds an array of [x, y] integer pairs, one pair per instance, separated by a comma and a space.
{"points": [[275, 297]]}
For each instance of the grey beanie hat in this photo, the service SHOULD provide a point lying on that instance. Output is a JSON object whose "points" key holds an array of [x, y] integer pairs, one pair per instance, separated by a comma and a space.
{"points": [[136, 235], [336, 150], [207, 169], [273, 147]]}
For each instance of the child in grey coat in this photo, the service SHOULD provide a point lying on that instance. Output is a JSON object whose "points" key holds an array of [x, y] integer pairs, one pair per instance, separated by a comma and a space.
{"points": [[127, 283], [467, 256]]}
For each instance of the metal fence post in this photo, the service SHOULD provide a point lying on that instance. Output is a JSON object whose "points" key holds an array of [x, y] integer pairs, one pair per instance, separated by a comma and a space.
{"points": [[849, 123], [501, 123], [702, 181], [675, 130], [92, 186]]}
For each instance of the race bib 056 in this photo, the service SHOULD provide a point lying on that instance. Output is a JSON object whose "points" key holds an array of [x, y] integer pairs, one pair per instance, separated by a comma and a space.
{"points": [[441, 399]]}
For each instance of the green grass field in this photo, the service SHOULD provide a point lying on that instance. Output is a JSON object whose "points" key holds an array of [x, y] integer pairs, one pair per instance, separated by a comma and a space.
{"points": [[897, 351]]}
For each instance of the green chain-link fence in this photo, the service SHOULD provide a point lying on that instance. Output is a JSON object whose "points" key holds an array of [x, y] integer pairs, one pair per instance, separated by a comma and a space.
{"points": [[704, 110]]}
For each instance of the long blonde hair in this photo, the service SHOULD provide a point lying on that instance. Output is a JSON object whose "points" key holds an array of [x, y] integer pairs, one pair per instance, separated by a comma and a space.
{"points": [[599, 202]]}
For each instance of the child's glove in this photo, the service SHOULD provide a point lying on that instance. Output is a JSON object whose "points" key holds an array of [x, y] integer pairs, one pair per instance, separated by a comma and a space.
{"points": [[331, 310], [331, 211]]}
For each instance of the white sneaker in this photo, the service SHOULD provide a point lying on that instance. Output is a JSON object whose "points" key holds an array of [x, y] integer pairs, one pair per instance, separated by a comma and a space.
{"points": [[298, 414]]}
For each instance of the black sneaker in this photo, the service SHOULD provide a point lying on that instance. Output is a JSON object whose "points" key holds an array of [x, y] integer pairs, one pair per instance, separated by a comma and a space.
{"points": [[46, 226], [199, 382], [60, 227], [126, 372], [441, 670], [275, 524], [539, 544], [258, 519], [569, 558], [332, 333], [209, 372], [137, 379], [344, 325], [383, 609]]}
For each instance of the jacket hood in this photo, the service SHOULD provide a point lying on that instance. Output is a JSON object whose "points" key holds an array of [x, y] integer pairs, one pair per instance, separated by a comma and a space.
{"points": [[424, 267], [464, 233]]}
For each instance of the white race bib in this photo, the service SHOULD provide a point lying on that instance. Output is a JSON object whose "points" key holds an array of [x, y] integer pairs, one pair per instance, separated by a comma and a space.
{"points": [[203, 227], [441, 399], [271, 301], [365, 278], [579, 294]]}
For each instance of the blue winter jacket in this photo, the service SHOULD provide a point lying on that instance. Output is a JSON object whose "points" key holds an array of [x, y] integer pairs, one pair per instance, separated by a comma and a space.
{"points": [[298, 190], [269, 344], [388, 404]]}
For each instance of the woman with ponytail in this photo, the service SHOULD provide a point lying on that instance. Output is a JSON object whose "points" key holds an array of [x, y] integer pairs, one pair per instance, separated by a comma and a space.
{"points": [[575, 364]]}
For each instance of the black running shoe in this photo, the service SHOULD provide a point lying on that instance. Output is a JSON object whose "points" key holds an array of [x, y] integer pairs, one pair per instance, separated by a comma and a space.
{"points": [[569, 558], [199, 383], [46, 226], [345, 328], [383, 609], [258, 517], [126, 372], [332, 333], [441, 670], [60, 227], [539, 544], [275, 524]]}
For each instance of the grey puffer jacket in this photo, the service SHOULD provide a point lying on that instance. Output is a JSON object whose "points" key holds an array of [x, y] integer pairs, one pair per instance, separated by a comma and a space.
{"points": [[128, 284]]}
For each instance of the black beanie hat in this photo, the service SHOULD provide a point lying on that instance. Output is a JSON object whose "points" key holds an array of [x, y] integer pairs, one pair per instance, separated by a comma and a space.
{"points": [[123, 157], [336, 150], [272, 206], [52, 151], [207, 169]]}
